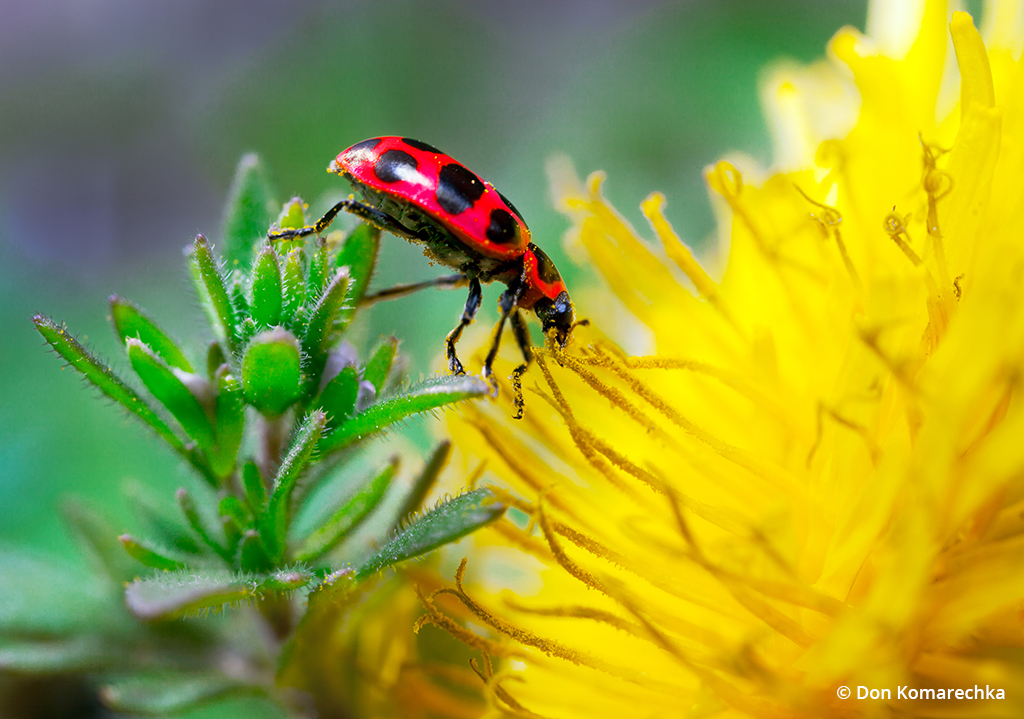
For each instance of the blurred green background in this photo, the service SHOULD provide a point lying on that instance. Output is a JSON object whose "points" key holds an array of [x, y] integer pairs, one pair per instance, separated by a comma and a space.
{"points": [[121, 124]]}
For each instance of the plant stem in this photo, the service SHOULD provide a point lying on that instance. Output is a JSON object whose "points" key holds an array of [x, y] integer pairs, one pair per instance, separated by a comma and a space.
{"points": [[271, 435]]}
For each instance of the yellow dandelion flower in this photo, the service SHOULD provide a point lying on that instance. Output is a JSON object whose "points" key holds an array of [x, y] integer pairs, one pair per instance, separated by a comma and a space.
{"points": [[814, 480]]}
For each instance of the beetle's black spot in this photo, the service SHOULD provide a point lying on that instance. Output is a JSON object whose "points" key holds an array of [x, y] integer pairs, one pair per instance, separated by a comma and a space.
{"points": [[364, 145], [508, 203], [503, 228], [546, 269], [395, 165], [421, 145], [458, 188]]}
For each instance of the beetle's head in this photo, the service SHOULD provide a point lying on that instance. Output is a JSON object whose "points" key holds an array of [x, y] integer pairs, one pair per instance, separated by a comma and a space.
{"points": [[557, 315]]}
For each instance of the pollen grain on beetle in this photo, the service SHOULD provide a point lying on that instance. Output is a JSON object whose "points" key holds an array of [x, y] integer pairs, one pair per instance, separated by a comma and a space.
{"points": [[810, 476]]}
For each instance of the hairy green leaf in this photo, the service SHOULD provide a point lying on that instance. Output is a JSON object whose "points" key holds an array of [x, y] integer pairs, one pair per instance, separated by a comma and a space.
{"points": [[168, 693], [150, 556], [246, 331], [359, 255], [255, 489], [272, 372], [292, 215], [131, 321], [104, 379], [446, 523], [176, 390], [99, 539], [319, 267], [230, 424], [188, 508], [324, 321], [275, 527], [213, 293], [294, 285], [425, 481], [169, 595], [348, 517], [338, 398], [239, 298], [214, 359], [46, 596], [54, 655], [249, 210], [232, 507], [300, 320], [379, 365], [267, 299], [428, 396], [232, 534], [252, 553], [162, 523]]}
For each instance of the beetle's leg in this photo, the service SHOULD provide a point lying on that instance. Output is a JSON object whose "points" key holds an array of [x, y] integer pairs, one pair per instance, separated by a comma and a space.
{"points": [[402, 290], [507, 303], [360, 209], [476, 295], [375, 216], [522, 334]]}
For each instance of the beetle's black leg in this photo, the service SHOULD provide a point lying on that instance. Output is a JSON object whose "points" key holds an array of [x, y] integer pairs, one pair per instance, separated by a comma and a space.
{"points": [[522, 334], [377, 217], [476, 295], [360, 209], [402, 290], [507, 303]]}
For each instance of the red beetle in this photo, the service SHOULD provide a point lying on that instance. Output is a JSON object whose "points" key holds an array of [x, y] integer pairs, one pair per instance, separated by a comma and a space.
{"points": [[417, 192]]}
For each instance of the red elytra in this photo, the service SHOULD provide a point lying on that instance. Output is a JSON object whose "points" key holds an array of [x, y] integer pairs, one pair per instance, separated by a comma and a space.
{"points": [[414, 190], [444, 189]]}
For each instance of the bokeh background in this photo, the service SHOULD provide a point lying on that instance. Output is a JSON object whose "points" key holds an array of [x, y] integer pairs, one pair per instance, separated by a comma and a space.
{"points": [[121, 123]]}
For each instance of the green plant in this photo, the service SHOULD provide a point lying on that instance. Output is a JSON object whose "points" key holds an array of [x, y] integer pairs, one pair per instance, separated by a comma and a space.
{"points": [[267, 419]]}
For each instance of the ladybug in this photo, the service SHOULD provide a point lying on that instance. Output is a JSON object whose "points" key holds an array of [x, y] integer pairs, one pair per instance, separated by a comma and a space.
{"points": [[415, 191]]}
